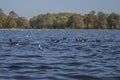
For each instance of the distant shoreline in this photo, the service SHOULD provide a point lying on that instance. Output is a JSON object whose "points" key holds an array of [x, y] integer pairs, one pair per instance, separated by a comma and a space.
{"points": [[59, 29], [63, 20]]}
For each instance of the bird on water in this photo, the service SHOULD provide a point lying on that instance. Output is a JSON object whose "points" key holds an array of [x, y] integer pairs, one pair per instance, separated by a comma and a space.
{"points": [[39, 47], [98, 40], [81, 39], [13, 43], [55, 40]]}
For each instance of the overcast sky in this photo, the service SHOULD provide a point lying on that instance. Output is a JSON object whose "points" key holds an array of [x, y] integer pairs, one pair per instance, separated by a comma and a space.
{"points": [[30, 8]]}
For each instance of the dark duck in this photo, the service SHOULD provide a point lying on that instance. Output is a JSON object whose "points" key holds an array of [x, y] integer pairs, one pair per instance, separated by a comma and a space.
{"points": [[55, 40], [13, 43], [80, 39], [98, 40]]}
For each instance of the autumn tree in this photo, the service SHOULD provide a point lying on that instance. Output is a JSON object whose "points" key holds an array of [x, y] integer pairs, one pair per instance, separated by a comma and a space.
{"points": [[22, 23], [3, 18], [63, 20], [13, 15], [10, 23]]}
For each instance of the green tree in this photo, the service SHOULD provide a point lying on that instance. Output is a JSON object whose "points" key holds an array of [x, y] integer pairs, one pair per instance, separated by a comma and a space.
{"points": [[49, 21], [90, 20], [33, 22], [113, 21], [76, 22], [101, 22], [60, 21]]}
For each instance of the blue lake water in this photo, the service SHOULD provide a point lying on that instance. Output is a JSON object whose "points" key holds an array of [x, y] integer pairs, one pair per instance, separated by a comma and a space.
{"points": [[39, 57]]}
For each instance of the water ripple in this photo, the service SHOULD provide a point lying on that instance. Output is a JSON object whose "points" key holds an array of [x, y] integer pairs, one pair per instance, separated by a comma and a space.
{"points": [[56, 55]]}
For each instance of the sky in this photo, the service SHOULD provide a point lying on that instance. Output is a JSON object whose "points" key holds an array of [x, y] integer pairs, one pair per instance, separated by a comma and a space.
{"points": [[30, 8]]}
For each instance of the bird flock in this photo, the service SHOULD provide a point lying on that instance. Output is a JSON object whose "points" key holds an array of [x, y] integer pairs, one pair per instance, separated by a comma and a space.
{"points": [[55, 40]]}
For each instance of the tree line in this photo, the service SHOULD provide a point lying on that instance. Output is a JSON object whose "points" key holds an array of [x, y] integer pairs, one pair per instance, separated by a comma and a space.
{"points": [[64, 20], [13, 21]]}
